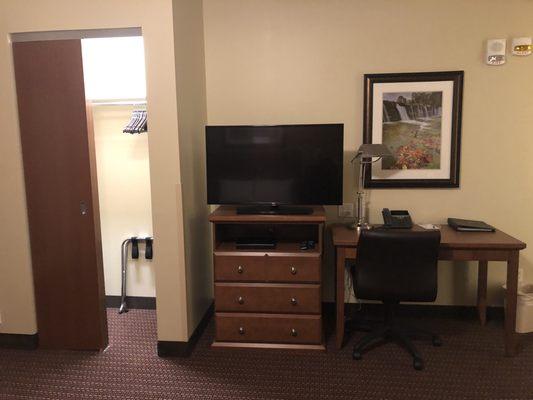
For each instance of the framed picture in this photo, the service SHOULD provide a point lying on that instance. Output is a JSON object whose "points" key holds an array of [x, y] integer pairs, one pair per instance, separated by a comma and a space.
{"points": [[418, 117]]}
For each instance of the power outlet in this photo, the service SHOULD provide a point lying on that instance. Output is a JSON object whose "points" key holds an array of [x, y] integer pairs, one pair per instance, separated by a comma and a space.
{"points": [[346, 210]]}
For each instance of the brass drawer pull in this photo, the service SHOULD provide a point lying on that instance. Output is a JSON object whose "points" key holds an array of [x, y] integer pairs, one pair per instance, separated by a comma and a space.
{"points": [[294, 301], [240, 269], [294, 333], [240, 300], [241, 330], [294, 270]]}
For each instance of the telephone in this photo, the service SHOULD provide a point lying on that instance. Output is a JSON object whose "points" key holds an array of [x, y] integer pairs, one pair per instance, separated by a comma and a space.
{"points": [[398, 219]]}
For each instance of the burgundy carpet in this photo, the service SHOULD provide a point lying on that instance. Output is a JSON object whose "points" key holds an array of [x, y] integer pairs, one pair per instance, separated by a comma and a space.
{"points": [[470, 365]]}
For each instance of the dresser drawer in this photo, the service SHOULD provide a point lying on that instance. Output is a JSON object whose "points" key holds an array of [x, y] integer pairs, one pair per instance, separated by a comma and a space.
{"points": [[240, 268], [267, 269], [293, 269], [274, 298], [267, 328]]}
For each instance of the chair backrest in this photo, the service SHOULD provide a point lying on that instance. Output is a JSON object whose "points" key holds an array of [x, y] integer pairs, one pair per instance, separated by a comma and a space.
{"points": [[396, 265]]}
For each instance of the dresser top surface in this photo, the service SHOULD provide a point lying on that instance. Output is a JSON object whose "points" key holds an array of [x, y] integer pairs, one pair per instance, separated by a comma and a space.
{"points": [[229, 214]]}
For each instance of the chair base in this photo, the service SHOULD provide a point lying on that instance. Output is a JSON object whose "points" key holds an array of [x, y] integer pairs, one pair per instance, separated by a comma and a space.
{"points": [[389, 332]]}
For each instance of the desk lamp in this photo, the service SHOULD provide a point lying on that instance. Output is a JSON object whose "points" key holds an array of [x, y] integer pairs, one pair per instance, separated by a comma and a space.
{"points": [[365, 154]]}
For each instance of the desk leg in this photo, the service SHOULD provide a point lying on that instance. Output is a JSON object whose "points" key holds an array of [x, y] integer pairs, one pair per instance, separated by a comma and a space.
{"points": [[482, 292], [511, 339], [339, 315]]}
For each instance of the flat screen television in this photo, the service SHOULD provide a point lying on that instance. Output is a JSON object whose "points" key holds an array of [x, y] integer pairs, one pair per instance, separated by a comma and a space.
{"points": [[269, 167]]}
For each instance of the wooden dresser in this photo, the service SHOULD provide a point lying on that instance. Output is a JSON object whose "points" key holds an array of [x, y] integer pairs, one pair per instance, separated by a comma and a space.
{"points": [[268, 298]]}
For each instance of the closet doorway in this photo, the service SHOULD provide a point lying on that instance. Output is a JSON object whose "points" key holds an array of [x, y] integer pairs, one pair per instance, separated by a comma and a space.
{"points": [[82, 115]]}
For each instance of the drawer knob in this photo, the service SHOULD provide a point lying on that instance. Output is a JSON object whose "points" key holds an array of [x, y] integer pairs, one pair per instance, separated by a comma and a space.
{"points": [[241, 330], [294, 333], [294, 301], [294, 270], [240, 300], [240, 269]]}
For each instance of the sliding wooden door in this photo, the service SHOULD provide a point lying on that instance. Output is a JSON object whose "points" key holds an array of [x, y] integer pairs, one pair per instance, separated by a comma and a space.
{"points": [[62, 197]]}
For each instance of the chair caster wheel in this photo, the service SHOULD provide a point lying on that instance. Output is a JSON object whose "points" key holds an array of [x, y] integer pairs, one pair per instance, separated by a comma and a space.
{"points": [[357, 355], [437, 342], [418, 364]]}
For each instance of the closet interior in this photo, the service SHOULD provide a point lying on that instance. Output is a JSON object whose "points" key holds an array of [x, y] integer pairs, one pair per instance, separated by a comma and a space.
{"points": [[115, 91]]}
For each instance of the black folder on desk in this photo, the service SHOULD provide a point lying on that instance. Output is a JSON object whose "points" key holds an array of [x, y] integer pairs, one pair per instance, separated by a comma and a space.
{"points": [[466, 225]]}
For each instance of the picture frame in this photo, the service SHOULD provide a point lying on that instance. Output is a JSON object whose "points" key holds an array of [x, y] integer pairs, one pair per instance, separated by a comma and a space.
{"points": [[418, 116]]}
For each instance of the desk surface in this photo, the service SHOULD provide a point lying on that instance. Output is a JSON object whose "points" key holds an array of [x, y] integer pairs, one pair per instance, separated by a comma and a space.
{"points": [[450, 238]]}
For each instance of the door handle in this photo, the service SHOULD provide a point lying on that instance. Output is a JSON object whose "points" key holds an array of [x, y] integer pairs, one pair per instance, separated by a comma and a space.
{"points": [[84, 210]]}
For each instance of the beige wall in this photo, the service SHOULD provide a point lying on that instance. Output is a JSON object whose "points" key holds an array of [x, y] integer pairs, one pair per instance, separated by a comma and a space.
{"points": [[192, 114], [156, 19], [273, 61], [124, 195], [301, 61]]}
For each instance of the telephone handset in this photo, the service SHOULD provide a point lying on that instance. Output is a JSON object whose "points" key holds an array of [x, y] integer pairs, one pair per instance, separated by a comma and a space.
{"points": [[397, 219]]}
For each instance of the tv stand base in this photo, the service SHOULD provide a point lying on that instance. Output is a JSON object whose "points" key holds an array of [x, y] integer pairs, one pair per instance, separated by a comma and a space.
{"points": [[274, 210]]}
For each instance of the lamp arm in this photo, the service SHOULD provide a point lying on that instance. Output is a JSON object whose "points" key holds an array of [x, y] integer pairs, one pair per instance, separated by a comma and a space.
{"points": [[360, 196], [372, 161], [357, 155], [361, 218], [362, 177]]}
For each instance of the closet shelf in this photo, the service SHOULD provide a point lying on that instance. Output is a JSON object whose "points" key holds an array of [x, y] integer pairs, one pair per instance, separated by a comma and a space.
{"points": [[119, 102]]}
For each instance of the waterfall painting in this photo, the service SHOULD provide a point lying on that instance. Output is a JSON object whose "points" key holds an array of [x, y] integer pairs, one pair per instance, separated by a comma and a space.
{"points": [[412, 129], [418, 117]]}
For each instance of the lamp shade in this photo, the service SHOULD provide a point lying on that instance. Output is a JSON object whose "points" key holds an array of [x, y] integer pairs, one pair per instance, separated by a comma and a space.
{"points": [[373, 150]]}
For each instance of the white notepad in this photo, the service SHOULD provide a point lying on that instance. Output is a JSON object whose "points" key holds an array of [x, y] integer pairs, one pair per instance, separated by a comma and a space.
{"points": [[429, 226]]}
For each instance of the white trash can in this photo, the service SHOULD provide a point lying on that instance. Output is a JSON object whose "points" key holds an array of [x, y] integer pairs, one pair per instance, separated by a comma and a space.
{"points": [[524, 308]]}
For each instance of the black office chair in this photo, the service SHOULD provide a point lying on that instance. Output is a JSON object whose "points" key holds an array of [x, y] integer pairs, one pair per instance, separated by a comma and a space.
{"points": [[394, 266]]}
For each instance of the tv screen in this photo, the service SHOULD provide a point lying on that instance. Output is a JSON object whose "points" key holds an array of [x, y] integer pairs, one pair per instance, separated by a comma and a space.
{"points": [[285, 164]]}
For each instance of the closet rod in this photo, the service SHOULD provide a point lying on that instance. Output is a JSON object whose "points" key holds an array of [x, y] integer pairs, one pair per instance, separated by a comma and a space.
{"points": [[124, 102]]}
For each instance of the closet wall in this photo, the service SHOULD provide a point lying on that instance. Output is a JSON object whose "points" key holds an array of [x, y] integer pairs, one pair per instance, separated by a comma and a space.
{"points": [[192, 111], [124, 193]]}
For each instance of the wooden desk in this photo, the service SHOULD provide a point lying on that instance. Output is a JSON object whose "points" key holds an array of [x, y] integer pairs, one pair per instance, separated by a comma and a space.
{"points": [[455, 246]]}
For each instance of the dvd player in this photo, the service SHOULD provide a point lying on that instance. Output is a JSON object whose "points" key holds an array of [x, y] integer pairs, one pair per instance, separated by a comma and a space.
{"points": [[255, 243]]}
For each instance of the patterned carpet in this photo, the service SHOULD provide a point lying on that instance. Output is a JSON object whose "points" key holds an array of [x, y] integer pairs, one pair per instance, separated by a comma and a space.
{"points": [[470, 365]]}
